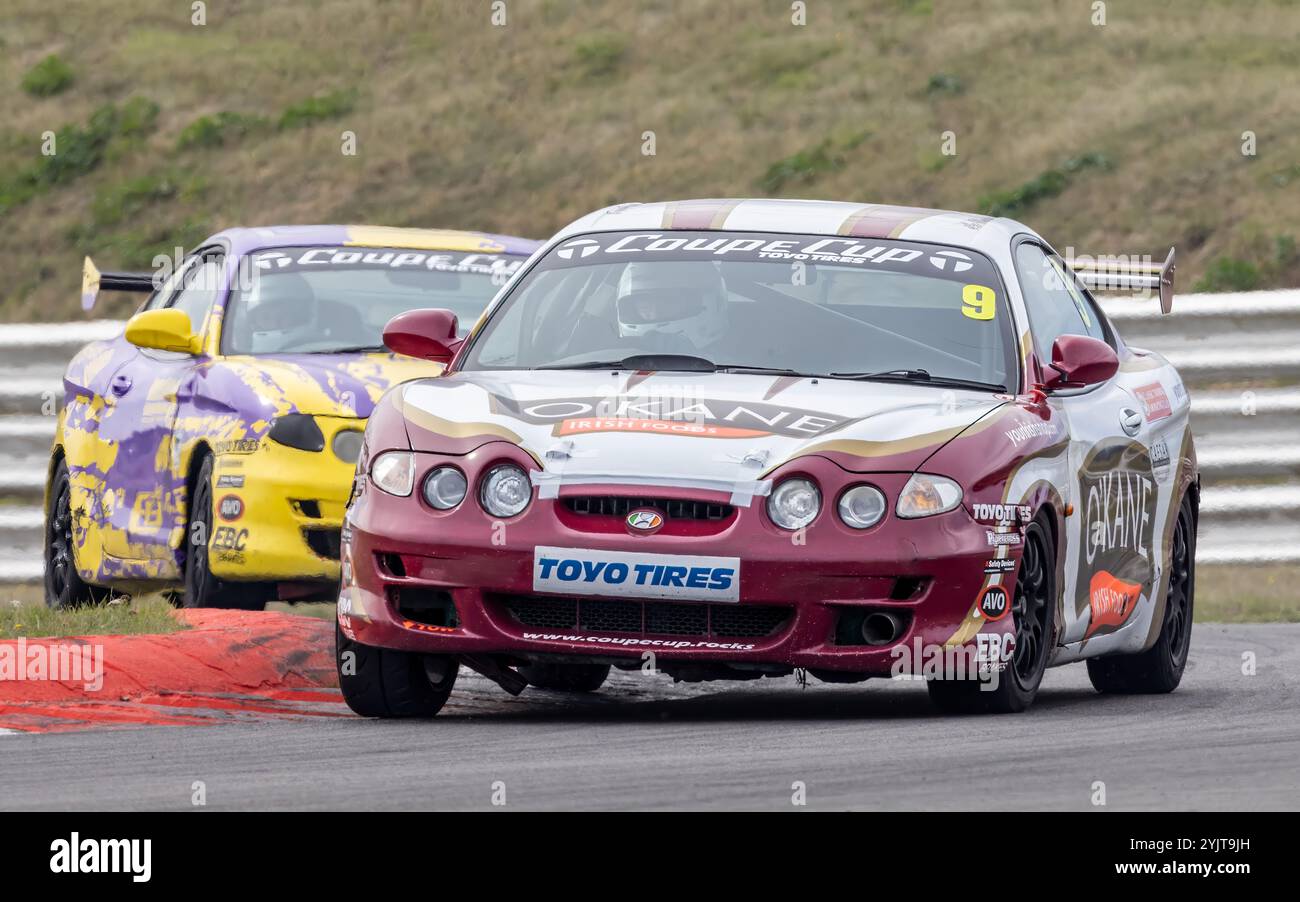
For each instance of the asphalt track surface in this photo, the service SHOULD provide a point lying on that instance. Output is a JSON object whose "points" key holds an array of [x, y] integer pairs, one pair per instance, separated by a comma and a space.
{"points": [[1224, 740]]}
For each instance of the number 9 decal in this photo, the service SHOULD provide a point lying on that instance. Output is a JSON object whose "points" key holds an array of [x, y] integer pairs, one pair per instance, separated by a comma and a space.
{"points": [[978, 302]]}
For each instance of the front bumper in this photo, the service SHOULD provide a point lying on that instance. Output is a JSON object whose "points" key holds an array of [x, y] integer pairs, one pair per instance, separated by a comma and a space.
{"points": [[277, 514], [405, 560]]}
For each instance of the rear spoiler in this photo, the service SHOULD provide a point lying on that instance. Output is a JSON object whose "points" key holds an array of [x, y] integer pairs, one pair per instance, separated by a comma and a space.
{"points": [[1109, 274], [93, 282]]}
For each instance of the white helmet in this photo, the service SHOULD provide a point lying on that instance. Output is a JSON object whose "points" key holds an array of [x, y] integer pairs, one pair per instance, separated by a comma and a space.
{"points": [[678, 307]]}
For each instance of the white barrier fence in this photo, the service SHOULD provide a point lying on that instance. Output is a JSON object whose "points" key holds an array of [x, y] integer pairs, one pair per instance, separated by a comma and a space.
{"points": [[1239, 355]]}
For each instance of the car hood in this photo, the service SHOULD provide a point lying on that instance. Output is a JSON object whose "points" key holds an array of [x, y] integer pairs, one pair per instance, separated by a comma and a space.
{"points": [[346, 385], [718, 431]]}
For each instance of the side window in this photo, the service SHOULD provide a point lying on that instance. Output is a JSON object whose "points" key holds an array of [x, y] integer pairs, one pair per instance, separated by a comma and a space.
{"points": [[200, 285], [1056, 305], [163, 293]]}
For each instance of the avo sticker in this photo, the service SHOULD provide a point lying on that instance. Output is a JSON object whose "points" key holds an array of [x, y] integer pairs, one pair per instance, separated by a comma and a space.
{"points": [[978, 302], [993, 603]]}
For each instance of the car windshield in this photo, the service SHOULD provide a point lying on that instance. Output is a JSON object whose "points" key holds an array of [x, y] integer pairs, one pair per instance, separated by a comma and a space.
{"points": [[802, 304], [322, 300]]}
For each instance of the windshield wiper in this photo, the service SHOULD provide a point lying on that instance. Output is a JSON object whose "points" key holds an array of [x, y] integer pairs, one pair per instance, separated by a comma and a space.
{"points": [[919, 375], [680, 362], [745, 368], [355, 349]]}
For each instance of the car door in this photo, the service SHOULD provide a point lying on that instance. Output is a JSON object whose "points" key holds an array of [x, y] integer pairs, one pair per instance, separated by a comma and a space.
{"points": [[1112, 561], [144, 494]]}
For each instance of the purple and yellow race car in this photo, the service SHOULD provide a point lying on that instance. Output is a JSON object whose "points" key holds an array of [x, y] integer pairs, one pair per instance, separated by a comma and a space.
{"points": [[212, 445]]}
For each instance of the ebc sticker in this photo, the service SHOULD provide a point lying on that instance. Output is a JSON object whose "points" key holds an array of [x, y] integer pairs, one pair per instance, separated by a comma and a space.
{"points": [[585, 571]]}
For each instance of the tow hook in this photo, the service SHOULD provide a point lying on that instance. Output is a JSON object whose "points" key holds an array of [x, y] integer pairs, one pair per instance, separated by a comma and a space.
{"points": [[507, 679]]}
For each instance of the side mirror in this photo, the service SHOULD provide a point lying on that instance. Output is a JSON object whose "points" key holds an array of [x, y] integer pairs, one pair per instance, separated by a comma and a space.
{"points": [[428, 334], [163, 330], [1078, 361]]}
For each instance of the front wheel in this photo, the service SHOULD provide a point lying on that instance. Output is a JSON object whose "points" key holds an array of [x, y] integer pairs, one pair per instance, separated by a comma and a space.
{"points": [[202, 589], [382, 682], [1160, 667], [1033, 619]]}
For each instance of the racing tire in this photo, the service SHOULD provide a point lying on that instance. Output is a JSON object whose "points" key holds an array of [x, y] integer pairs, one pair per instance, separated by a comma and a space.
{"points": [[64, 587], [202, 589], [565, 677], [1160, 668], [1033, 613], [382, 682]]}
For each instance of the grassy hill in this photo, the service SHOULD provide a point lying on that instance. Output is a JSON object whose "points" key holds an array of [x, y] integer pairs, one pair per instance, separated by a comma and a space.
{"points": [[1123, 138]]}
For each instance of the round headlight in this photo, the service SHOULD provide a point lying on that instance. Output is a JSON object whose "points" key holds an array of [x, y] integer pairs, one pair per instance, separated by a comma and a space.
{"points": [[862, 506], [444, 488], [506, 491], [347, 444], [926, 495], [394, 472], [794, 504]]}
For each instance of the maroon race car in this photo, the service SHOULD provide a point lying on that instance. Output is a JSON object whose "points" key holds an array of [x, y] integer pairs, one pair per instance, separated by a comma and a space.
{"points": [[732, 439]]}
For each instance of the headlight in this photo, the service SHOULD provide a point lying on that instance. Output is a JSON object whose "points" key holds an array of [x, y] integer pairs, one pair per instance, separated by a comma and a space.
{"points": [[926, 495], [444, 488], [794, 504], [394, 472], [297, 430], [347, 444], [506, 491], [862, 506]]}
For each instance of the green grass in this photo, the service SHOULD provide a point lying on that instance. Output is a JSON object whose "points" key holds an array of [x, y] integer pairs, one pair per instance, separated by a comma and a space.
{"points": [[317, 109], [1047, 184], [219, 130], [79, 150], [945, 83], [801, 168], [324, 610], [1248, 594], [48, 77], [523, 128], [151, 614], [599, 56]]}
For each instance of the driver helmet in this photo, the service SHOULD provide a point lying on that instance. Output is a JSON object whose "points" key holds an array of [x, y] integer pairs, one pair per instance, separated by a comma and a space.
{"points": [[281, 311], [682, 302]]}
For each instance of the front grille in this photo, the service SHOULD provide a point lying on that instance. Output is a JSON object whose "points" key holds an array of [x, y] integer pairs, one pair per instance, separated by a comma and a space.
{"points": [[652, 618], [323, 541], [622, 505]]}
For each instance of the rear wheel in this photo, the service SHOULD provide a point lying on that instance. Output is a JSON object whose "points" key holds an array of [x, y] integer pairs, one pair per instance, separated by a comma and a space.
{"points": [[381, 682], [1033, 614], [565, 677], [1160, 667], [202, 589], [63, 585]]}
